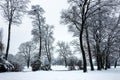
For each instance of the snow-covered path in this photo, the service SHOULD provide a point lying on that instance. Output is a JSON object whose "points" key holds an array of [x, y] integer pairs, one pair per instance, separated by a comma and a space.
{"points": [[112, 74]]}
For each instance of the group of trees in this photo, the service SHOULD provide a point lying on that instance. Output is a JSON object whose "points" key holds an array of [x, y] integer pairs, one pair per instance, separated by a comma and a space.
{"points": [[42, 42], [96, 24]]}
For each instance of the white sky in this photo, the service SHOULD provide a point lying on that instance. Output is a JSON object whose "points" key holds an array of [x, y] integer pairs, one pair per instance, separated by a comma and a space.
{"points": [[22, 33]]}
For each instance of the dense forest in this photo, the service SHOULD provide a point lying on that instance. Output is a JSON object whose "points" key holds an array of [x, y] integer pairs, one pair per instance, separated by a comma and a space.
{"points": [[95, 24]]}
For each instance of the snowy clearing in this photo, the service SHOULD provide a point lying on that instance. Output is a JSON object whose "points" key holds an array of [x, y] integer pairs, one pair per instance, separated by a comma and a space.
{"points": [[112, 74]]}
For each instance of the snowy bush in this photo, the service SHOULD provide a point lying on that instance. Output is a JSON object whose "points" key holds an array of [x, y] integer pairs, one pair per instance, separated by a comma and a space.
{"points": [[5, 65], [2, 68], [15, 61], [72, 62], [17, 67], [71, 65], [79, 64], [36, 65]]}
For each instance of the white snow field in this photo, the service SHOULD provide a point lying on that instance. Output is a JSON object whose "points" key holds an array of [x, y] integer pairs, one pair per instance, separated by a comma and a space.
{"points": [[62, 74]]}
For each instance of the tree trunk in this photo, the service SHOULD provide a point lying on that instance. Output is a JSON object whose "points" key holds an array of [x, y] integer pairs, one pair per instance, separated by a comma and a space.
{"points": [[50, 63], [102, 61], [89, 50], [82, 50], [98, 56], [48, 53], [65, 61], [106, 63], [28, 60], [49, 60], [40, 37], [40, 48], [98, 37], [8, 42], [115, 63], [98, 63], [49, 57], [28, 63]]}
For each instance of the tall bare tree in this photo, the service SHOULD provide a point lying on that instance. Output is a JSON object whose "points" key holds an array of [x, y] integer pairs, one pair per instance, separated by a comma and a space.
{"points": [[13, 11], [36, 13], [76, 16]]}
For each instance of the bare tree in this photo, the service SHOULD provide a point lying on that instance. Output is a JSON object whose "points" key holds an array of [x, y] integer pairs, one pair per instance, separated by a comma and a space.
{"points": [[76, 16], [13, 11], [27, 49], [64, 51]]}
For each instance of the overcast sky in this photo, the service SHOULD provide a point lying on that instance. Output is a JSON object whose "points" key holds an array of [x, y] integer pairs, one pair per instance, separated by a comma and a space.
{"points": [[22, 33]]}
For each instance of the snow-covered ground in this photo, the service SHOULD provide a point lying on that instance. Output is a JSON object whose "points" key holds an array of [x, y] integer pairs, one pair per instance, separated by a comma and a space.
{"points": [[112, 74]]}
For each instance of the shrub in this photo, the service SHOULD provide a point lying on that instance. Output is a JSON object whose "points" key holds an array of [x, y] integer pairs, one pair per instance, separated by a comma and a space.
{"points": [[71, 65], [36, 65], [17, 67], [2, 68], [79, 64], [5, 65]]}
